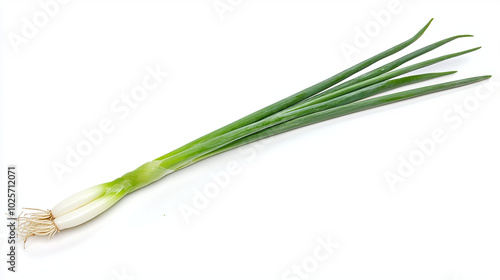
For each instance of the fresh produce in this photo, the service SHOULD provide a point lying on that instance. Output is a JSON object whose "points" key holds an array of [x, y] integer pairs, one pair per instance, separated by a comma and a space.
{"points": [[325, 100]]}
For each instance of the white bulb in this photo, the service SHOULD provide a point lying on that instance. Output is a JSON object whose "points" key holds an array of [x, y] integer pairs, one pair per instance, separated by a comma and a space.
{"points": [[77, 200]]}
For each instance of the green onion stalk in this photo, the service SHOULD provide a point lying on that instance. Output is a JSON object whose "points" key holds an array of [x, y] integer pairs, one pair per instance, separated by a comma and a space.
{"points": [[331, 98]]}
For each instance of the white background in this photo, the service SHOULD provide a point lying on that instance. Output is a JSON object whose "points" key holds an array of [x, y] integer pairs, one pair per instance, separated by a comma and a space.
{"points": [[323, 181]]}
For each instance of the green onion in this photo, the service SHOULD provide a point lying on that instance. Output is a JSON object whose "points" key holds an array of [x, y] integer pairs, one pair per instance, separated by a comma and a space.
{"points": [[323, 101]]}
